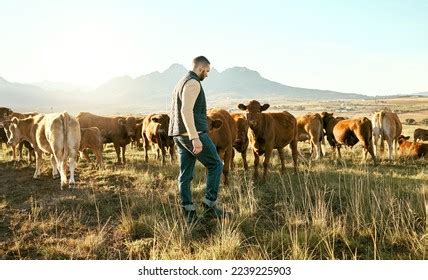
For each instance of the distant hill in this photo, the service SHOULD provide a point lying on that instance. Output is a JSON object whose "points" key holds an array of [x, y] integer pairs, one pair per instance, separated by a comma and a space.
{"points": [[152, 92]]}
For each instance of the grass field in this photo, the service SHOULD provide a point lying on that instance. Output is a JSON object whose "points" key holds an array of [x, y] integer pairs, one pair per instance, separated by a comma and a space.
{"points": [[329, 210]]}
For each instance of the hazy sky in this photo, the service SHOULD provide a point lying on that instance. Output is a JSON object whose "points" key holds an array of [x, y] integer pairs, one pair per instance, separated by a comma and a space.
{"points": [[370, 47]]}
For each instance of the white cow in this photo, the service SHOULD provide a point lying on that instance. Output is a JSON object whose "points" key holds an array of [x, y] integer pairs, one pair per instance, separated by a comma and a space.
{"points": [[56, 134]]}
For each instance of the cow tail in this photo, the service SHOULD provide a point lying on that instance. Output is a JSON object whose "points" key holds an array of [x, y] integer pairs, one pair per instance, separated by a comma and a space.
{"points": [[66, 120]]}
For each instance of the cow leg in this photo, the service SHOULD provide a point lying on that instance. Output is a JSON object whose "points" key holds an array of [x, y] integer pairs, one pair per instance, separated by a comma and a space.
{"points": [[54, 167], [256, 164], [38, 164], [266, 163], [294, 153], [72, 156], [172, 153], [232, 164], [163, 149], [390, 148], [244, 159], [146, 148], [123, 154], [99, 157], [20, 145], [282, 158], [117, 149], [13, 152], [228, 158]]}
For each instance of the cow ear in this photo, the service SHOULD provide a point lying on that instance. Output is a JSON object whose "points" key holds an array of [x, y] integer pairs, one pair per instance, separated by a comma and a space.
{"points": [[121, 121], [15, 120], [154, 119], [406, 137], [216, 123], [264, 107], [242, 107]]}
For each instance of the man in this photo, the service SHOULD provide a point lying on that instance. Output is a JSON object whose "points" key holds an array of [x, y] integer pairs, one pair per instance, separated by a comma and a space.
{"points": [[189, 126]]}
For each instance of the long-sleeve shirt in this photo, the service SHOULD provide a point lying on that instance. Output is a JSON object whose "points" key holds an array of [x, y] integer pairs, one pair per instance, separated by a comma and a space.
{"points": [[189, 95]]}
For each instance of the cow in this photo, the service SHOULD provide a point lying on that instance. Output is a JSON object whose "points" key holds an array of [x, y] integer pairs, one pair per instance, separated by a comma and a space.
{"points": [[241, 141], [268, 131], [420, 134], [409, 149], [117, 130], [138, 133], [310, 127], [57, 134], [6, 122], [155, 132], [386, 126], [222, 131], [91, 139], [329, 122], [4, 114], [349, 132]]}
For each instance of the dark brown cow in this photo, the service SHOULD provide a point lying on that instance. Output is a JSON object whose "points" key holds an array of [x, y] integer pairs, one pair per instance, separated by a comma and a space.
{"points": [[155, 132], [270, 131], [136, 140], [116, 130], [420, 134], [5, 114], [328, 124], [222, 131], [241, 141], [310, 127], [91, 139], [409, 149], [349, 132]]}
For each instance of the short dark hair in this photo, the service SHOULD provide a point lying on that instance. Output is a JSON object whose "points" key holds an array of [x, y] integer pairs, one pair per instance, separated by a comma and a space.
{"points": [[200, 60]]}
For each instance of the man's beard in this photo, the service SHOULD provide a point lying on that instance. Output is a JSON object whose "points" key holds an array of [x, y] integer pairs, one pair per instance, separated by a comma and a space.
{"points": [[201, 76]]}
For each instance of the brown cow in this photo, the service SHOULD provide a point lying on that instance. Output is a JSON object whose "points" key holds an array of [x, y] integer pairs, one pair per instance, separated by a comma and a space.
{"points": [[387, 126], [328, 124], [116, 130], [222, 131], [55, 134], [241, 141], [310, 127], [6, 123], [349, 132], [270, 131], [91, 139], [138, 133], [420, 134], [411, 149], [155, 131]]}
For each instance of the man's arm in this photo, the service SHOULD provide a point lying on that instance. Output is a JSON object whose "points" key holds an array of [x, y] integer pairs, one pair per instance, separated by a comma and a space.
{"points": [[190, 94]]}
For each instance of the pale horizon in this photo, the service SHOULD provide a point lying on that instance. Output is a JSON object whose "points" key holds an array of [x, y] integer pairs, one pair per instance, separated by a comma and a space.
{"points": [[371, 48]]}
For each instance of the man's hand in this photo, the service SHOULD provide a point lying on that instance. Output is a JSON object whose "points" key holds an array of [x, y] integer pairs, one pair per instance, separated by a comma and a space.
{"points": [[197, 146]]}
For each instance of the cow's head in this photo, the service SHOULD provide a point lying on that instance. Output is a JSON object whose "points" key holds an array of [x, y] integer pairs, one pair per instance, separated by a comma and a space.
{"points": [[241, 141], [4, 114], [130, 125], [254, 112], [161, 122], [402, 139], [326, 117], [13, 132]]}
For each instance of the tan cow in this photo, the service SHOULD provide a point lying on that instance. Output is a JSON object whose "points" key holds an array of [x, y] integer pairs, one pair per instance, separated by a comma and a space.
{"points": [[6, 124], [270, 131], [116, 130], [91, 139], [155, 133], [409, 149], [222, 131], [420, 134], [349, 132], [56, 134], [386, 126], [310, 128], [241, 141]]}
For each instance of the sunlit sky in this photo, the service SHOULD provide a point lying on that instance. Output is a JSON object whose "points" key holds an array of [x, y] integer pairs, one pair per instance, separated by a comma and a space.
{"points": [[370, 47]]}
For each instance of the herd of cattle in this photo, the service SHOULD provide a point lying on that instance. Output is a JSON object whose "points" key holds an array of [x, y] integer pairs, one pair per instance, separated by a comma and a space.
{"points": [[63, 136]]}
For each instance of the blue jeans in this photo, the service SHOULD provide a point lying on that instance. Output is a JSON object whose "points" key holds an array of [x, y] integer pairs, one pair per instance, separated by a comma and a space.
{"points": [[209, 158]]}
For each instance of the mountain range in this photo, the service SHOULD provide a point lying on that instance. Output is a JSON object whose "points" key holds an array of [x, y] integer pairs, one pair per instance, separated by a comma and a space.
{"points": [[152, 92]]}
